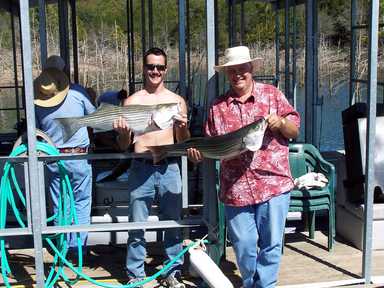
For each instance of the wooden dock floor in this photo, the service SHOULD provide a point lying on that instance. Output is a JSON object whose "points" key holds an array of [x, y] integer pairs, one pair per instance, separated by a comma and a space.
{"points": [[304, 261]]}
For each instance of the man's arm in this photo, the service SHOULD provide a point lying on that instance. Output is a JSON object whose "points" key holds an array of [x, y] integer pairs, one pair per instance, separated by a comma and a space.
{"points": [[125, 134], [280, 124], [181, 127]]}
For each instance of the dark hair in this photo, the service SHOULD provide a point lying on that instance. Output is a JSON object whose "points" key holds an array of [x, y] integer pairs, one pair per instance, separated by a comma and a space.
{"points": [[155, 51], [122, 94]]}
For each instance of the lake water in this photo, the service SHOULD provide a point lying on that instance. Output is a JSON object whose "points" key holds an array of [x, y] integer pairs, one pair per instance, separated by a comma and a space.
{"points": [[329, 124]]}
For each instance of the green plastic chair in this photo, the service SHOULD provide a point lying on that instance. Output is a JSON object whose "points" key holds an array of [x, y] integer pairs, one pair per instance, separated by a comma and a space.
{"points": [[305, 158]]}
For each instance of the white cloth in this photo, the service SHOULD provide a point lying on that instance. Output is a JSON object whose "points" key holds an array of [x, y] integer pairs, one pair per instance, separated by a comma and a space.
{"points": [[311, 180]]}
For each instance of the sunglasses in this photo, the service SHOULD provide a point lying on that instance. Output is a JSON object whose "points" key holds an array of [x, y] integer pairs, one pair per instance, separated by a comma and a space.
{"points": [[159, 67]]}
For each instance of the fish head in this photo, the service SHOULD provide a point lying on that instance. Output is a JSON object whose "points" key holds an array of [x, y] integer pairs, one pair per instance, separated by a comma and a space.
{"points": [[164, 114], [254, 138]]}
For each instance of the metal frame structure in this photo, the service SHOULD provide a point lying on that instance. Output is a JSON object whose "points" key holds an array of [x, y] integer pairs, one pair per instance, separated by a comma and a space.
{"points": [[354, 77], [288, 8], [147, 37], [34, 164]]}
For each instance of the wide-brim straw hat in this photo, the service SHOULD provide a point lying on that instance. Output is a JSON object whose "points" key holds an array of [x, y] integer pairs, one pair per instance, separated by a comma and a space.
{"points": [[236, 56], [50, 87]]}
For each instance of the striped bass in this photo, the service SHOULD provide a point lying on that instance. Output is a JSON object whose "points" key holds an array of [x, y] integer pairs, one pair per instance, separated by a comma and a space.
{"points": [[249, 137], [140, 118]]}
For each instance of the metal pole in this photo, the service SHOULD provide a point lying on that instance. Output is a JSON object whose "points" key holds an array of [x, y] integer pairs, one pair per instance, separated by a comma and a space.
{"points": [[42, 33], [230, 23], [353, 72], [371, 133], [150, 23], [182, 87], [131, 48], [277, 44], [143, 28], [22, 62], [74, 42], [184, 178], [188, 43], [15, 79], [63, 30], [287, 89], [209, 179], [242, 25], [293, 83], [31, 132], [309, 73]]}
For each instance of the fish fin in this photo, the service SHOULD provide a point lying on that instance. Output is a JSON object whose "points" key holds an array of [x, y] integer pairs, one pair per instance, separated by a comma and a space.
{"points": [[69, 127], [158, 153]]}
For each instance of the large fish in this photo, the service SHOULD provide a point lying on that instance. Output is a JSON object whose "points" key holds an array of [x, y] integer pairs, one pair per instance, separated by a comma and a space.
{"points": [[249, 137], [140, 118]]}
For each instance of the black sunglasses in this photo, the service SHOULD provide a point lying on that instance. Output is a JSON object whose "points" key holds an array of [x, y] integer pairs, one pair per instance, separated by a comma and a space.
{"points": [[159, 67]]}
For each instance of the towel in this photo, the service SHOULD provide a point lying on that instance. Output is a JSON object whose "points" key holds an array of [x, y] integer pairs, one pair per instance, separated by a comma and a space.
{"points": [[311, 180]]}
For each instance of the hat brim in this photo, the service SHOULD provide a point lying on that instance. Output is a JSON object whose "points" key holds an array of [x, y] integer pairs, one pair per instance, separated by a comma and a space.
{"points": [[54, 100], [254, 62], [60, 95]]}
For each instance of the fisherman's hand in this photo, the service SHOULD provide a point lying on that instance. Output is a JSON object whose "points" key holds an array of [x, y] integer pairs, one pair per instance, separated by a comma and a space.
{"points": [[121, 126], [181, 120], [275, 122], [124, 138], [194, 155]]}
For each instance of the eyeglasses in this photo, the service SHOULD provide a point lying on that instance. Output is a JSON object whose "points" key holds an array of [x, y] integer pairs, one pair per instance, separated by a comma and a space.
{"points": [[238, 70], [159, 67]]}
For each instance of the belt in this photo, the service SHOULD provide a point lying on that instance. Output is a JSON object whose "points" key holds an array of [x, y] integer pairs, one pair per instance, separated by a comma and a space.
{"points": [[149, 161], [74, 150]]}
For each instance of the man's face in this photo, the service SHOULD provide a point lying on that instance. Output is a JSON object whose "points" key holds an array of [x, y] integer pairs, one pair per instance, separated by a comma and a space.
{"points": [[240, 76], [154, 69]]}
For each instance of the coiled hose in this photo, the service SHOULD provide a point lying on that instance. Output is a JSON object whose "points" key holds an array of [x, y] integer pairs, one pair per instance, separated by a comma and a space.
{"points": [[65, 215]]}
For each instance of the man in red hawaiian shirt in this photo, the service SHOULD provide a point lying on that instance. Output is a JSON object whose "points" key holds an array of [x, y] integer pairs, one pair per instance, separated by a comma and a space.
{"points": [[254, 185]]}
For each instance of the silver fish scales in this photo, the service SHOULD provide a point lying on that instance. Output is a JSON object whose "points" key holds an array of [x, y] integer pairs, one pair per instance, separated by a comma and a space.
{"points": [[140, 118], [217, 147]]}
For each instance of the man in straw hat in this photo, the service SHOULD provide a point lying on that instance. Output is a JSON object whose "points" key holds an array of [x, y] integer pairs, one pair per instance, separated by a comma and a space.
{"points": [[54, 99], [254, 185]]}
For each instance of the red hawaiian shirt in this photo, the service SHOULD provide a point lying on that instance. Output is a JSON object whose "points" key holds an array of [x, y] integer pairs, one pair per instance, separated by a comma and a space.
{"points": [[253, 177]]}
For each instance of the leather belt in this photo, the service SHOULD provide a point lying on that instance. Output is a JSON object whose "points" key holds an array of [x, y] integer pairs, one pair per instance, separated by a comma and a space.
{"points": [[73, 150], [149, 161]]}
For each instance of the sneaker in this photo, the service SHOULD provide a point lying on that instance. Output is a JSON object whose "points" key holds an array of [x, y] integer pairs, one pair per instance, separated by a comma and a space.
{"points": [[132, 280], [172, 281]]}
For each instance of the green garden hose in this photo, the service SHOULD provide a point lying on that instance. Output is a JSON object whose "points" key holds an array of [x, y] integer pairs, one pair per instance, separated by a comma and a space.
{"points": [[10, 188]]}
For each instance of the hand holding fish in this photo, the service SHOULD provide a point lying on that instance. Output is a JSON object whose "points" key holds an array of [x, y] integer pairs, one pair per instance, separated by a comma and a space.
{"points": [[275, 122], [194, 155], [282, 125], [180, 120], [120, 125]]}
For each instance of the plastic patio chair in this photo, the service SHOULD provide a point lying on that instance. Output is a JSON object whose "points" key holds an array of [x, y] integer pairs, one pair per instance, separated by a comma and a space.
{"points": [[305, 158]]}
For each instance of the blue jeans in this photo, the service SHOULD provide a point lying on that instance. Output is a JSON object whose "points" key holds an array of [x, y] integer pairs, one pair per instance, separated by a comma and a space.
{"points": [[80, 176], [144, 182], [256, 233]]}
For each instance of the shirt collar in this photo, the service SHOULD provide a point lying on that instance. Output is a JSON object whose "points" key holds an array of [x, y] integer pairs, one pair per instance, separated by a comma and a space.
{"points": [[232, 96]]}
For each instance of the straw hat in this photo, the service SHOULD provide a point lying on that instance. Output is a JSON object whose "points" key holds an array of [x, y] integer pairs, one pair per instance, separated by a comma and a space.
{"points": [[236, 56], [50, 87]]}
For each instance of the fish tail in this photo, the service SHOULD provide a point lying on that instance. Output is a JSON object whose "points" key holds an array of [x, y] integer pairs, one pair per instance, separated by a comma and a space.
{"points": [[158, 153], [69, 127]]}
